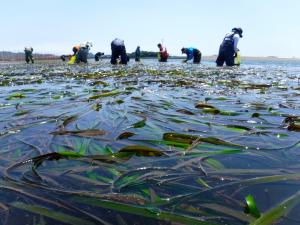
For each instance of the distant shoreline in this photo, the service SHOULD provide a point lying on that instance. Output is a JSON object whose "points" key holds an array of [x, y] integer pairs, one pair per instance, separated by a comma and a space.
{"points": [[260, 58], [49, 57]]}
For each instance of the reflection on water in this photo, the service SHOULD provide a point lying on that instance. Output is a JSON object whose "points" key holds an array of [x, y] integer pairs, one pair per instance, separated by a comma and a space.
{"points": [[149, 143]]}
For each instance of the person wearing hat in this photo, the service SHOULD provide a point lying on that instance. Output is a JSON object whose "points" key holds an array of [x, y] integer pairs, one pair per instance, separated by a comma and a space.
{"points": [[83, 52], [28, 54], [118, 50], [191, 53], [163, 55], [228, 49]]}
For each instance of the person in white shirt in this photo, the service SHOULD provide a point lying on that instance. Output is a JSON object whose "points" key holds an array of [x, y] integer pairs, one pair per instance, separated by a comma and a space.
{"points": [[229, 47]]}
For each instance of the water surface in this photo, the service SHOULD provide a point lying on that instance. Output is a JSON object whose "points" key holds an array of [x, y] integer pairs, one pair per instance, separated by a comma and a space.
{"points": [[149, 143]]}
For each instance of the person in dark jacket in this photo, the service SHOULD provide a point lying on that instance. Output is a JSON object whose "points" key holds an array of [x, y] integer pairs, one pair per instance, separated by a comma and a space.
{"points": [[138, 54], [28, 55], [98, 56], [118, 50], [163, 55], [82, 53], [191, 53], [228, 49]]}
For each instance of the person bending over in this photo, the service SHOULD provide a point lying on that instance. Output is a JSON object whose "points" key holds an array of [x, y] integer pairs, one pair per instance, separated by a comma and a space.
{"points": [[191, 53], [98, 56], [118, 50], [83, 52]]}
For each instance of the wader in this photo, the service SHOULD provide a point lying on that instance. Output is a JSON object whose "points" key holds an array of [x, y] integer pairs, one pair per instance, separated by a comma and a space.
{"points": [[116, 52], [197, 56], [28, 57], [226, 52]]}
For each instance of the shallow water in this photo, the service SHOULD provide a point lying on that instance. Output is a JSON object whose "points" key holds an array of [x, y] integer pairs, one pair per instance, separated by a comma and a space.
{"points": [[149, 143]]}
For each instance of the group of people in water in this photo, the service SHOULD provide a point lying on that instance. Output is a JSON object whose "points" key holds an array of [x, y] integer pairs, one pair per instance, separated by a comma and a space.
{"points": [[228, 52]]}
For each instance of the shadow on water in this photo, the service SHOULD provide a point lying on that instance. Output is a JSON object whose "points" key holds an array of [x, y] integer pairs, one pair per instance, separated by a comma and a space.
{"points": [[149, 143]]}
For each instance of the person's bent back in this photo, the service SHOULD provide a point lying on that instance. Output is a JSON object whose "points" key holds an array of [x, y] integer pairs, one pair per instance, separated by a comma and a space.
{"points": [[192, 53], [82, 53], [98, 56], [118, 50]]}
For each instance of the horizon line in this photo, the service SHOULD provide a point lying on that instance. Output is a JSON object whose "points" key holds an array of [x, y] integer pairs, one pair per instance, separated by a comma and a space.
{"points": [[207, 56]]}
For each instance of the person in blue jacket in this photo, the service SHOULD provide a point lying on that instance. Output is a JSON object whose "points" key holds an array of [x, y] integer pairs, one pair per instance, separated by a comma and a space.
{"points": [[228, 49], [192, 53]]}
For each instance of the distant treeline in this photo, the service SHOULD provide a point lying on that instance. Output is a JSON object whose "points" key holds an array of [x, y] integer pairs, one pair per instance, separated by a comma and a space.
{"points": [[144, 54], [11, 56]]}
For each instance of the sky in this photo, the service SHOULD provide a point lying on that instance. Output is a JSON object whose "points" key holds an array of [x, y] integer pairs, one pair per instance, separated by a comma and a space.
{"points": [[271, 27]]}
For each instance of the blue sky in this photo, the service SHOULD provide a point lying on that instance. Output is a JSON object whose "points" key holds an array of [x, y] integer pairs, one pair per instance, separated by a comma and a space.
{"points": [[271, 27]]}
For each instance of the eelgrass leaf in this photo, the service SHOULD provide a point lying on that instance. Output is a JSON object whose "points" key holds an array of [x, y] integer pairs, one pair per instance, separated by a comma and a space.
{"points": [[251, 207]]}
